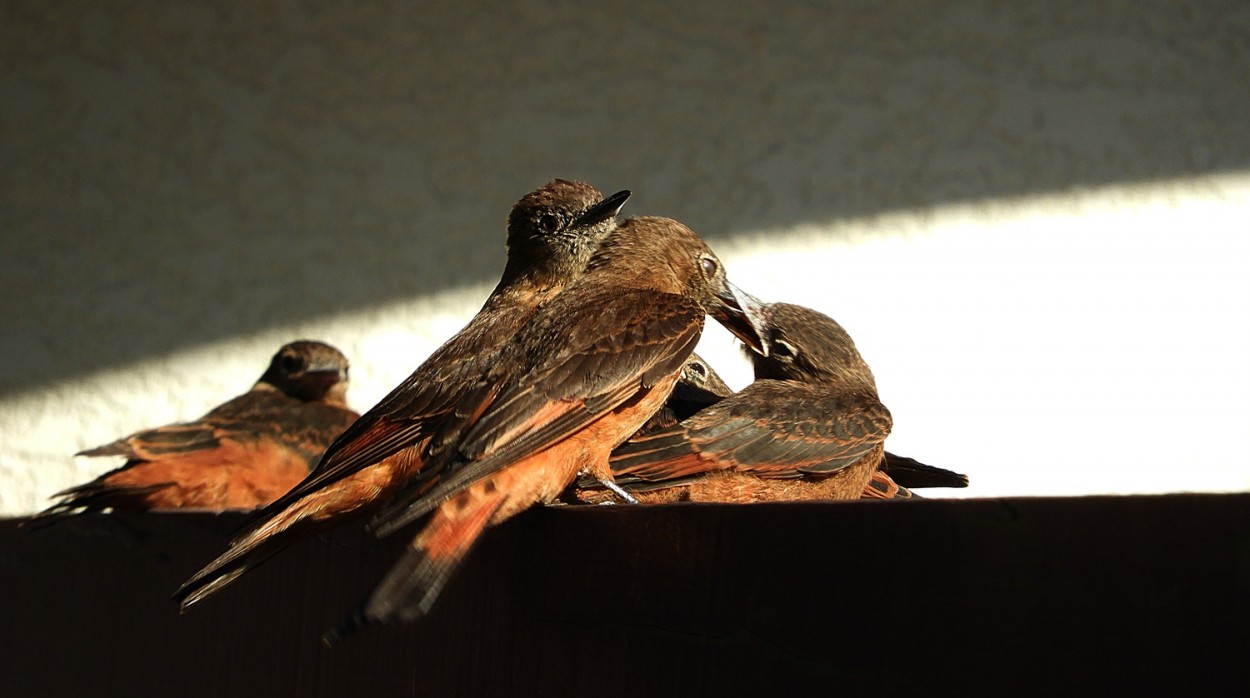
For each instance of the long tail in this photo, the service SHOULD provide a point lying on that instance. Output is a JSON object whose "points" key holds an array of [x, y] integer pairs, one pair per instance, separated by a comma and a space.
{"points": [[410, 588], [250, 549], [910, 472]]}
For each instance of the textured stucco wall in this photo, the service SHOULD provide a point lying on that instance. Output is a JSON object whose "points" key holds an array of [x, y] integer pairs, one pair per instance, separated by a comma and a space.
{"points": [[1031, 216]]}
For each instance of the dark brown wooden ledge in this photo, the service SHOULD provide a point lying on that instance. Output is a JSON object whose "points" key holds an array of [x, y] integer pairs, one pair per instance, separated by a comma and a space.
{"points": [[1016, 596]]}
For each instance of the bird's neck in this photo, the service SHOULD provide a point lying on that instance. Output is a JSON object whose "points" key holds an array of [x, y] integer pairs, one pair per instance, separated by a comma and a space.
{"points": [[527, 287]]}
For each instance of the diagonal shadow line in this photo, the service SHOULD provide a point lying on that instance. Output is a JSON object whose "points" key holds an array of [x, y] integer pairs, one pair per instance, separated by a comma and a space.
{"points": [[153, 198]]}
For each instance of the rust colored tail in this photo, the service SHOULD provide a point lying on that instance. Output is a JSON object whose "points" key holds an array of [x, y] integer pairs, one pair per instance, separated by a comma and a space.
{"points": [[881, 486], [410, 588], [281, 523]]}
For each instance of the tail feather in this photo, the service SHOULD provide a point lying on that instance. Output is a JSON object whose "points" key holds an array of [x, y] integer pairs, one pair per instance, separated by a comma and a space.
{"points": [[410, 588], [881, 486], [99, 495], [246, 552], [274, 529], [213, 585], [412, 585], [910, 472]]}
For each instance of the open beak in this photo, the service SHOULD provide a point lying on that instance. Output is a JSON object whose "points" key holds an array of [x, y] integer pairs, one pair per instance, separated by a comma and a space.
{"points": [[743, 315], [609, 207]]}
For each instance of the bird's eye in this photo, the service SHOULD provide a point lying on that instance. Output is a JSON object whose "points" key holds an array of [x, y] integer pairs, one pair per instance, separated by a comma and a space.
{"points": [[709, 265], [696, 370], [548, 223], [783, 350], [292, 363]]}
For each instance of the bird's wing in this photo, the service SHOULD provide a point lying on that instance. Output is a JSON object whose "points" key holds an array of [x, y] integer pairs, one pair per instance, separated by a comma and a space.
{"points": [[161, 442], [770, 429], [576, 377], [400, 420]]}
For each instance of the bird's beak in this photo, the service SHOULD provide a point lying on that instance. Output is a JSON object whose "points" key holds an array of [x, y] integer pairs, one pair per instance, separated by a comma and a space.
{"points": [[603, 210], [326, 375], [743, 315]]}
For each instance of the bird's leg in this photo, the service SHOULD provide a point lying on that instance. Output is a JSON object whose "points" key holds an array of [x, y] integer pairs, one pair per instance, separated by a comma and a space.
{"points": [[613, 488]]}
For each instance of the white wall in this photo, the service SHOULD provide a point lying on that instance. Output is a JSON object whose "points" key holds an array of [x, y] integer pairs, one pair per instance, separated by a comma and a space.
{"points": [[1033, 222]]}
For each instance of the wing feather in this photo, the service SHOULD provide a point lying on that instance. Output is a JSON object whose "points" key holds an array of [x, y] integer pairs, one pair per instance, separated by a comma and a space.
{"points": [[771, 429], [568, 386]]}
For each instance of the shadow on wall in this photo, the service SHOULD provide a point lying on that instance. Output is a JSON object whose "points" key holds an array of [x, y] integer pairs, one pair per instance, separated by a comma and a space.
{"points": [[176, 177]]}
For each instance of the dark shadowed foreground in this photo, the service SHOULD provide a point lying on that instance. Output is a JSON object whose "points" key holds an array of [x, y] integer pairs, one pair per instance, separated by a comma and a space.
{"points": [[1020, 596]]}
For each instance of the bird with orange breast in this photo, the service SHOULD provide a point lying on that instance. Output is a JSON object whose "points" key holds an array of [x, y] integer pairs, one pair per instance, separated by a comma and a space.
{"points": [[810, 427], [582, 376], [243, 454], [701, 387], [552, 233]]}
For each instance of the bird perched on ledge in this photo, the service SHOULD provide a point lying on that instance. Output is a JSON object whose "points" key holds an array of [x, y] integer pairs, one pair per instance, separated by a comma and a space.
{"points": [[552, 233], [809, 427], [243, 454], [701, 387], [582, 376]]}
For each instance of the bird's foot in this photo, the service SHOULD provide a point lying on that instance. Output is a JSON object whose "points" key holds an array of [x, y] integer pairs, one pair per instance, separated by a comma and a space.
{"points": [[616, 489]]}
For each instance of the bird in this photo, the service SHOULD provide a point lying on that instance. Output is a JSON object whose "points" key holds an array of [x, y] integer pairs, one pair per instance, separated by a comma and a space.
{"points": [[810, 426], [551, 234], [885, 483], [583, 375], [700, 387], [243, 454], [697, 387]]}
